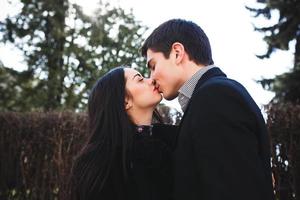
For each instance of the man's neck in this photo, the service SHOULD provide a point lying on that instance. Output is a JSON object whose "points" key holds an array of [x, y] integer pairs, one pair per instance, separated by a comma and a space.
{"points": [[189, 69]]}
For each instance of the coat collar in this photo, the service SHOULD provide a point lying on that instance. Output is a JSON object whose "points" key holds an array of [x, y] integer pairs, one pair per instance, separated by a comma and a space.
{"points": [[214, 72]]}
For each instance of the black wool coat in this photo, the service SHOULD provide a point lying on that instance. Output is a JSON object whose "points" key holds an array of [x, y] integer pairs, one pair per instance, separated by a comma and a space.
{"points": [[223, 149]]}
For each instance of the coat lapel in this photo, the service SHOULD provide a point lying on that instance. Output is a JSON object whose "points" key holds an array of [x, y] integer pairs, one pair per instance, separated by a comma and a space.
{"points": [[214, 72]]}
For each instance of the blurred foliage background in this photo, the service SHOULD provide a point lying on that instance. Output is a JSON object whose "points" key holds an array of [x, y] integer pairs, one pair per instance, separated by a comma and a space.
{"points": [[66, 51]]}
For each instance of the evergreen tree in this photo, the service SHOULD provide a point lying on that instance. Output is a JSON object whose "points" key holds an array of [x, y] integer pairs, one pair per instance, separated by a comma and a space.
{"points": [[67, 50], [280, 36], [12, 94]]}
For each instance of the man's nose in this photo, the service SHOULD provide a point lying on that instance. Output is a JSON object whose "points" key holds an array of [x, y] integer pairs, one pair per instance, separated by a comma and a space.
{"points": [[151, 81], [151, 75]]}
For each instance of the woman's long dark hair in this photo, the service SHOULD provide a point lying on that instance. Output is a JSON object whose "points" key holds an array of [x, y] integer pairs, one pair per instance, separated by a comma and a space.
{"points": [[109, 141]]}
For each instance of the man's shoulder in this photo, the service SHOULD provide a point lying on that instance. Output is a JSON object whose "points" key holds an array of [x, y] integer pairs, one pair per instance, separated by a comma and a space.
{"points": [[218, 83], [220, 89]]}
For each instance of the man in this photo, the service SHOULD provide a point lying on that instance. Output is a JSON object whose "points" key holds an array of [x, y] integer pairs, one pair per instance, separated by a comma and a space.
{"points": [[222, 149]]}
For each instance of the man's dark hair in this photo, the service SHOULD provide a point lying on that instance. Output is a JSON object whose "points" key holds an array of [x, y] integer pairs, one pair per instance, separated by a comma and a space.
{"points": [[189, 34]]}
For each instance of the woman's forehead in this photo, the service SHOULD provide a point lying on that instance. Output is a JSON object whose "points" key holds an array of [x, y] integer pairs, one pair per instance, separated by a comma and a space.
{"points": [[129, 72]]}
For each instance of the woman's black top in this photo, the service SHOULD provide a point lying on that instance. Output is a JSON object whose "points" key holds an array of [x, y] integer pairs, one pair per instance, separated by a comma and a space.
{"points": [[149, 167], [151, 162]]}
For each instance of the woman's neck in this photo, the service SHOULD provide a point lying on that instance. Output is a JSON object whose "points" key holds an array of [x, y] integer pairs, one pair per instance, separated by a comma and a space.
{"points": [[141, 116]]}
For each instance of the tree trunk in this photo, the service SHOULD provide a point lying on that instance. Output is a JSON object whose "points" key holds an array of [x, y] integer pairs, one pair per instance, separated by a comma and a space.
{"points": [[55, 63], [297, 54], [297, 169]]}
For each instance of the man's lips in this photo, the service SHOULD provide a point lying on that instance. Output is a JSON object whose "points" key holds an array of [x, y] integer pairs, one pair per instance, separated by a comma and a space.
{"points": [[156, 88]]}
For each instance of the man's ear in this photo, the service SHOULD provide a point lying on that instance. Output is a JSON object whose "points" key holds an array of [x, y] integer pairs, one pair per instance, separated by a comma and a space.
{"points": [[178, 50], [128, 103]]}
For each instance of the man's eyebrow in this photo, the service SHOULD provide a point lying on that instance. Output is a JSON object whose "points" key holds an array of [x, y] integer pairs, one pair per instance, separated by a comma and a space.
{"points": [[137, 74]]}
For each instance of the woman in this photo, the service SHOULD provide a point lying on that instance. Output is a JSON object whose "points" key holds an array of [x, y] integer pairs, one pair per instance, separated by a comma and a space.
{"points": [[124, 157]]}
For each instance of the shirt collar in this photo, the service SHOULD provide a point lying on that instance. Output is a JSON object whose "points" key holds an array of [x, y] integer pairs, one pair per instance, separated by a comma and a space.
{"points": [[187, 89]]}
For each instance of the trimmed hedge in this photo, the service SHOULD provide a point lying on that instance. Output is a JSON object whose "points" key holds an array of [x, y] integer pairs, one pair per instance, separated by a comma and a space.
{"points": [[36, 153], [284, 127], [37, 150]]}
